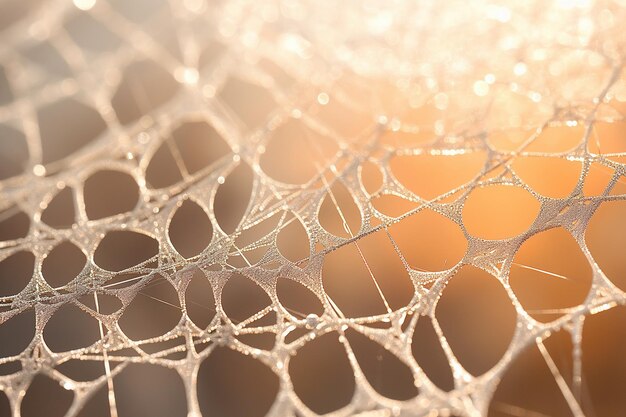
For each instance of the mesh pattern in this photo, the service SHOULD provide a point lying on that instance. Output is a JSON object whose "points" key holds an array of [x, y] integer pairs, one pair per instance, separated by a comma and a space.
{"points": [[134, 88]]}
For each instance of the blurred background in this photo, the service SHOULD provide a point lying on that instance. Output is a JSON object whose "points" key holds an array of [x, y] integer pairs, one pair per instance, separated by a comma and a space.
{"points": [[293, 208]]}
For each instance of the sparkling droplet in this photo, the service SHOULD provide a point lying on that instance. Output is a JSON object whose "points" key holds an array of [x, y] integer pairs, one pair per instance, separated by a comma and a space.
{"points": [[481, 88], [323, 99], [312, 320], [187, 75], [39, 170], [520, 69], [84, 4]]}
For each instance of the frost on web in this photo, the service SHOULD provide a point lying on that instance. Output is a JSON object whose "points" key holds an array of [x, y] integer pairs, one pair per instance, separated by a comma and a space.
{"points": [[291, 208]]}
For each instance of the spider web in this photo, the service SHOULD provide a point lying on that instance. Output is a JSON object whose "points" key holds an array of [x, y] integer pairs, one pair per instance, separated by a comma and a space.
{"points": [[364, 83]]}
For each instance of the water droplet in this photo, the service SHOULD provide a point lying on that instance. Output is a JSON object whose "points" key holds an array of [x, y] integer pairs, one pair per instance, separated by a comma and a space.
{"points": [[312, 320], [481, 88], [39, 170], [84, 4], [187, 75], [323, 99], [520, 69]]}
